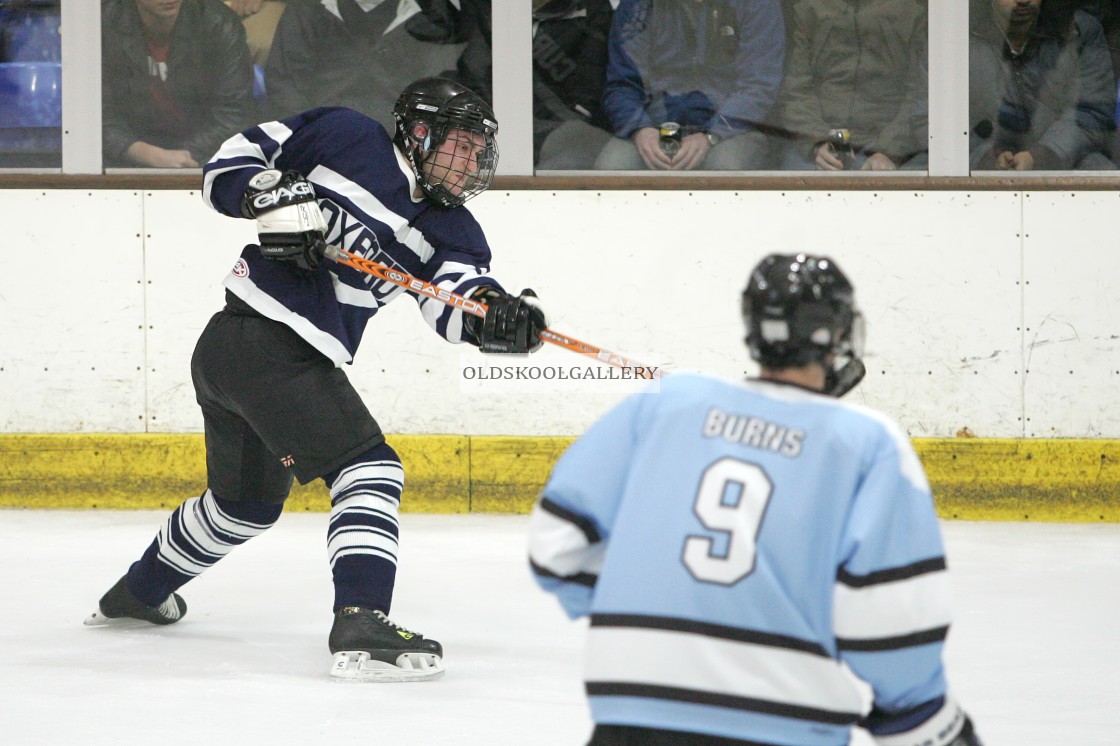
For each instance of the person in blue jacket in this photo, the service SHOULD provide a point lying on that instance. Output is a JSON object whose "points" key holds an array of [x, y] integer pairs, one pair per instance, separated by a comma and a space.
{"points": [[710, 67]]}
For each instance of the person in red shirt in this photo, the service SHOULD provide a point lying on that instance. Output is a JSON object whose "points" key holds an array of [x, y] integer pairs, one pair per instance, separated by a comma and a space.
{"points": [[177, 81]]}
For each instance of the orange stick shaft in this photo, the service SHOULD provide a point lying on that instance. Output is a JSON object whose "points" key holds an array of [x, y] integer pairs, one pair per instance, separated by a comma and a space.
{"points": [[473, 307]]}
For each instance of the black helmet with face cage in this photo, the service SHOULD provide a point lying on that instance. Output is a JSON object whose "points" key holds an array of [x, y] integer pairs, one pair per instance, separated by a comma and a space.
{"points": [[445, 106], [800, 309]]}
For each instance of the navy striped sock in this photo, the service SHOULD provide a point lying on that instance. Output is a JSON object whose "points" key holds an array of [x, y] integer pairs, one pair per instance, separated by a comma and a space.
{"points": [[197, 534], [363, 532]]}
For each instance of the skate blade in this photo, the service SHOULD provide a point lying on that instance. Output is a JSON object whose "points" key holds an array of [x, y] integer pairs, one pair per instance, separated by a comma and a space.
{"points": [[357, 666], [97, 619]]}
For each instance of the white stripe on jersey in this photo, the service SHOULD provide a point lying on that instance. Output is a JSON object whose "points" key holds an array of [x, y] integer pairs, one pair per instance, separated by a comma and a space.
{"points": [[361, 198], [709, 664], [561, 547], [894, 609], [352, 296], [414, 239], [454, 329], [245, 289], [240, 146], [208, 180], [279, 132], [432, 309]]}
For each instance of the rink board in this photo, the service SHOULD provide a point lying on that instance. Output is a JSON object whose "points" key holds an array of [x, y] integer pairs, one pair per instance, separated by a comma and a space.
{"points": [[1069, 480], [989, 312], [994, 312]]}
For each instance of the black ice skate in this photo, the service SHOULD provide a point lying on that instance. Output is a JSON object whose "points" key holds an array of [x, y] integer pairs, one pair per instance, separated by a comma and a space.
{"points": [[120, 606], [368, 646]]}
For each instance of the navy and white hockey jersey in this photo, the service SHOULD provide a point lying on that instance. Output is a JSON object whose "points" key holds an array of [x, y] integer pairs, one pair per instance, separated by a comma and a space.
{"points": [[735, 544], [364, 187]]}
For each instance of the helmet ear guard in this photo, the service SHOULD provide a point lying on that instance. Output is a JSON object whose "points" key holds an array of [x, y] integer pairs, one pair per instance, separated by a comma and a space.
{"points": [[800, 309]]}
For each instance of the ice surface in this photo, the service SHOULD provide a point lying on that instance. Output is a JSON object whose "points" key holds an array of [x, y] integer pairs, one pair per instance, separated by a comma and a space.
{"points": [[1034, 654]]}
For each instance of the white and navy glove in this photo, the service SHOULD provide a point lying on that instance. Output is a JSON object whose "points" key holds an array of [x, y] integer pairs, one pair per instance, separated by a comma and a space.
{"points": [[513, 323], [290, 225]]}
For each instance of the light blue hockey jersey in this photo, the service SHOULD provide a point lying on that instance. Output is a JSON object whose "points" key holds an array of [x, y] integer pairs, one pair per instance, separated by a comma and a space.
{"points": [[365, 189], [734, 545]]}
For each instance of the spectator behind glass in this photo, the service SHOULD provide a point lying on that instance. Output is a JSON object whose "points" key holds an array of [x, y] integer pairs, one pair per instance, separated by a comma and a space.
{"points": [[1108, 13], [357, 53], [852, 66], [569, 67], [1041, 87], [176, 81], [260, 18], [711, 66]]}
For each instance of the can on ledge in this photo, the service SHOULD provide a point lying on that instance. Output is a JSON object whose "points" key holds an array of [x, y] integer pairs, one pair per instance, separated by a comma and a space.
{"points": [[670, 138]]}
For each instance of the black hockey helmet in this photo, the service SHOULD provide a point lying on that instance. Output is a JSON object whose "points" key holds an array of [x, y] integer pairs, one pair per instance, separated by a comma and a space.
{"points": [[800, 309], [445, 106]]}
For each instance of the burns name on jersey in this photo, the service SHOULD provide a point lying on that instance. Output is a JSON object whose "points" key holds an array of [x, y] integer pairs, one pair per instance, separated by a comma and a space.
{"points": [[753, 432]]}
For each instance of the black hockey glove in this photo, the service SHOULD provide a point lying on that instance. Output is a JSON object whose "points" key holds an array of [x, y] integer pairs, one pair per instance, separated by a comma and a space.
{"points": [[512, 323], [290, 225]]}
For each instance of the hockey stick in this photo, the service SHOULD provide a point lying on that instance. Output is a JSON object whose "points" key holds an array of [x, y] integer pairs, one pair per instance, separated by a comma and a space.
{"points": [[474, 308]]}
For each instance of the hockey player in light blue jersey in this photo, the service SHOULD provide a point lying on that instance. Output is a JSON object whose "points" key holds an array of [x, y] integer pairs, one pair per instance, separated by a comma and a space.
{"points": [[267, 368], [737, 544]]}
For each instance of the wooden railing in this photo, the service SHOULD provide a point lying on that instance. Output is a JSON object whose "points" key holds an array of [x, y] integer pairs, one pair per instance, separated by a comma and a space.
{"points": [[770, 181]]}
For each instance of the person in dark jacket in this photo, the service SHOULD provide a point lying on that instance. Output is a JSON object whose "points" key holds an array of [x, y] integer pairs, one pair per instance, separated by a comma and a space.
{"points": [[1041, 87], [177, 80], [569, 69], [359, 55], [1108, 13], [711, 67]]}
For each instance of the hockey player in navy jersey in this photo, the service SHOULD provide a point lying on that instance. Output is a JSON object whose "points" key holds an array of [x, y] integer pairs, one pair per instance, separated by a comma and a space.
{"points": [[267, 368], [736, 544]]}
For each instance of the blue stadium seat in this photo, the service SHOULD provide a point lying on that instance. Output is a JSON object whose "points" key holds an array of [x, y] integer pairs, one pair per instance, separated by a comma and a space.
{"points": [[30, 94], [29, 32], [30, 113]]}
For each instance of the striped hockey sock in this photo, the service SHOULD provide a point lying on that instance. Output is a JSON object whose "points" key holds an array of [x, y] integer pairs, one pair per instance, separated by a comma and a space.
{"points": [[198, 533], [363, 532]]}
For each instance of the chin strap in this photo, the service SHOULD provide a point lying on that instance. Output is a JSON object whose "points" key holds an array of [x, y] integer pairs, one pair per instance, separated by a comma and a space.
{"points": [[839, 382]]}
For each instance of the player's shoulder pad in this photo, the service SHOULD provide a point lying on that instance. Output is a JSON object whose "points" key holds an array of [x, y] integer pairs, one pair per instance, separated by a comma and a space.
{"points": [[455, 231], [340, 122]]}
